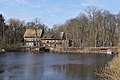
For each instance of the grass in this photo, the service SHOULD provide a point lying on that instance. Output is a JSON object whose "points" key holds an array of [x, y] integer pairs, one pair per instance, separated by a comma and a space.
{"points": [[111, 71]]}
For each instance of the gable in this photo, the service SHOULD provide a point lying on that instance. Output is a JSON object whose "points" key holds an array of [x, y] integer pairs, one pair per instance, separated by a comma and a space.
{"points": [[33, 33]]}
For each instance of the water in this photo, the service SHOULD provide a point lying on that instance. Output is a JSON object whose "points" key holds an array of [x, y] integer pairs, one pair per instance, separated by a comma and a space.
{"points": [[49, 66]]}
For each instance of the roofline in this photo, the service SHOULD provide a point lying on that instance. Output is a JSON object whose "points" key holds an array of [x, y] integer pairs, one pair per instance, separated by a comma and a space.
{"points": [[32, 37], [52, 39]]}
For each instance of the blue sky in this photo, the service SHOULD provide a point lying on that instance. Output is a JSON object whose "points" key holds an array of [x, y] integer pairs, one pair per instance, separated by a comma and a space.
{"points": [[52, 12]]}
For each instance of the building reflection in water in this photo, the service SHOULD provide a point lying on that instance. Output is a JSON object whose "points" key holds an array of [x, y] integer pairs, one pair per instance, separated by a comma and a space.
{"points": [[51, 66]]}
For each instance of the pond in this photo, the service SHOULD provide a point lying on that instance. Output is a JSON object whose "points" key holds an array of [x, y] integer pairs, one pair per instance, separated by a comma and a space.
{"points": [[50, 66]]}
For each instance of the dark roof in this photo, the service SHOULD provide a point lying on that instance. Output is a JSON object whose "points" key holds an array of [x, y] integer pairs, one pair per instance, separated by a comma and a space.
{"points": [[56, 35]]}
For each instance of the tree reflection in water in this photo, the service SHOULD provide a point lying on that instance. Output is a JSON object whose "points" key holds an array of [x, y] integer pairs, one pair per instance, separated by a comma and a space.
{"points": [[28, 66]]}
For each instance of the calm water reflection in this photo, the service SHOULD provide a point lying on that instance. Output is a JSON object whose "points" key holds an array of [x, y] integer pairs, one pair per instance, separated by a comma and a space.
{"points": [[48, 66]]}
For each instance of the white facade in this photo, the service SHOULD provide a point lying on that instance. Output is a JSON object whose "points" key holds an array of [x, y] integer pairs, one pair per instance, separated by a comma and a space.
{"points": [[30, 42]]}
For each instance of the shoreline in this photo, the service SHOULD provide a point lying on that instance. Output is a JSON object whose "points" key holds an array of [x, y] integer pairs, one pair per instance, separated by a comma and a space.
{"points": [[76, 50], [95, 50]]}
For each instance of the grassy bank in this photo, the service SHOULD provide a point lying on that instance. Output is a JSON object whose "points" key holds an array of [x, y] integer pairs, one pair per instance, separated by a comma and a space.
{"points": [[111, 70], [13, 47], [96, 50]]}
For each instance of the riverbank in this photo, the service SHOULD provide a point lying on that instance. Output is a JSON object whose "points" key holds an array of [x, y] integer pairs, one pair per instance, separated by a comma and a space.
{"points": [[12, 49], [97, 50], [111, 70]]}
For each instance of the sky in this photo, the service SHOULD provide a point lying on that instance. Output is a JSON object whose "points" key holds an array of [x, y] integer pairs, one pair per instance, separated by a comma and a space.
{"points": [[52, 12]]}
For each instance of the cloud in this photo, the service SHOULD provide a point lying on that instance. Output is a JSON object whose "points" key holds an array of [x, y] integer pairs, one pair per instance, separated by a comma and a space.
{"points": [[12, 3], [87, 3], [37, 6], [73, 13], [56, 10], [53, 15], [21, 1], [2, 12], [17, 2]]}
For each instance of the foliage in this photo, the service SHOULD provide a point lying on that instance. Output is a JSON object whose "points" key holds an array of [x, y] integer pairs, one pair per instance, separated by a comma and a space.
{"points": [[11, 32], [93, 28]]}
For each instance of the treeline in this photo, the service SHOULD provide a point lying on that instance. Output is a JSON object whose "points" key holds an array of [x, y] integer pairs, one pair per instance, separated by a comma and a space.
{"points": [[93, 28], [12, 31]]}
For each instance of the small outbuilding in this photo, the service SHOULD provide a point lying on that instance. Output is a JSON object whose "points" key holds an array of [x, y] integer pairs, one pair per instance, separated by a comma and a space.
{"points": [[54, 40]]}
